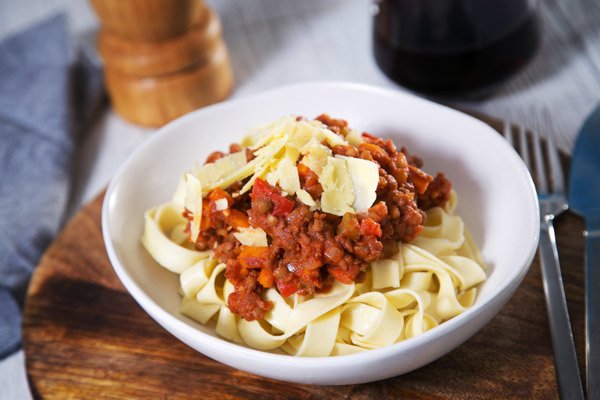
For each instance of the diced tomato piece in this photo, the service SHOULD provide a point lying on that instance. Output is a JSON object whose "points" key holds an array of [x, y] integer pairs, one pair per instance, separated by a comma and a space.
{"points": [[205, 222], [281, 205], [286, 288], [237, 219], [265, 278], [370, 227], [260, 189], [254, 257]]}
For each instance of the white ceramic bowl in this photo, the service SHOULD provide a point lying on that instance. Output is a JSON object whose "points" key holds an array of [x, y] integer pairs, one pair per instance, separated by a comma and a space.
{"points": [[497, 200]]}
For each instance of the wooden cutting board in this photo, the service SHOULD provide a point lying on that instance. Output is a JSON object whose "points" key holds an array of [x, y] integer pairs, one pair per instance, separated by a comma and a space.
{"points": [[86, 337]]}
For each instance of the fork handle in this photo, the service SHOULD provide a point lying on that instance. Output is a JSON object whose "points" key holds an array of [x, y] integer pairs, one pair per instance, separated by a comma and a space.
{"points": [[592, 309], [565, 359]]}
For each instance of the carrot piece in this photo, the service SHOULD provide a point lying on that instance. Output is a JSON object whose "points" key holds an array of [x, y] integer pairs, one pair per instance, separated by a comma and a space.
{"points": [[218, 194], [265, 278], [419, 178], [205, 223], [237, 219], [254, 257], [303, 170]]}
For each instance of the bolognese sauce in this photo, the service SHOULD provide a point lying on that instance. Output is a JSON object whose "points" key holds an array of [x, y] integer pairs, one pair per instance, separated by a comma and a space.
{"points": [[309, 249]]}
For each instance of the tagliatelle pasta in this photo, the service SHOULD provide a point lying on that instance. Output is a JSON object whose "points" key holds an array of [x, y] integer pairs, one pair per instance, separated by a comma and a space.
{"points": [[430, 280], [314, 240]]}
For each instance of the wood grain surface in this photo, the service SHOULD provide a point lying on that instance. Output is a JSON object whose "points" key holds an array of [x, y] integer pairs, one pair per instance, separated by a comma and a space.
{"points": [[86, 337], [148, 20]]}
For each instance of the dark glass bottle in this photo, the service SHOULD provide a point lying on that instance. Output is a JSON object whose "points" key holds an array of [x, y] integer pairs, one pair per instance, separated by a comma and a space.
{"points": [[449, 47]]}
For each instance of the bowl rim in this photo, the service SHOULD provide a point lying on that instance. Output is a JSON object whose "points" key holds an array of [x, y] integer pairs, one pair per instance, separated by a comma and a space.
{"points": [[163, 317]]}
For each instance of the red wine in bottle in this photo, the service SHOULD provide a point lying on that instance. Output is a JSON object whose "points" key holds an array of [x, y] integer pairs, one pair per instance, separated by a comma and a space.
{"points": [[450, 47]]}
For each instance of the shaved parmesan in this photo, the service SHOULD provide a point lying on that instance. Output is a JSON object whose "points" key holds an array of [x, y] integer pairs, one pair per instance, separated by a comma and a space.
{"points": [[323, 133], [365, 177], [278, 146], [212, 173], [333, 203], [316, 156], [292, 154], [193, 202], [252, 237], [303, 134], [261, 163], [262, 132], [354, 138], [277, 129], [286, 175], [338, 193], [306, 198]]}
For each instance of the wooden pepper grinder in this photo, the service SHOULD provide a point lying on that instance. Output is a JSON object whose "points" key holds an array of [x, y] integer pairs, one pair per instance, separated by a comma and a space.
{"points": [[162, 58]]}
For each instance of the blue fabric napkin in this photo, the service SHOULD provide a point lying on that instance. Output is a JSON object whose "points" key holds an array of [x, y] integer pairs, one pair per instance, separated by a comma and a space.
{"points": [[46, 95]]}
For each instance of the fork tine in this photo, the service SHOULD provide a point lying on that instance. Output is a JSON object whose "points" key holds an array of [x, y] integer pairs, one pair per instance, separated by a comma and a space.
{"points": [[507, 132], [558, 183], [523, 146], [542, 186]]}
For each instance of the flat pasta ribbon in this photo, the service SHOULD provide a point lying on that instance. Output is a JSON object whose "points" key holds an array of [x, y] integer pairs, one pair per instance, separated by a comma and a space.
{"points": [[430, 280]]}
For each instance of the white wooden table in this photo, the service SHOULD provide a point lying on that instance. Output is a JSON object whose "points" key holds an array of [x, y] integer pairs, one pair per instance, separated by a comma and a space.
{"points": [[275, 42]]}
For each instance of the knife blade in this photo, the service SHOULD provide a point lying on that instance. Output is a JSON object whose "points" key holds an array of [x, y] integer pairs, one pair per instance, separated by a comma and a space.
{"points": [[584, 199]]}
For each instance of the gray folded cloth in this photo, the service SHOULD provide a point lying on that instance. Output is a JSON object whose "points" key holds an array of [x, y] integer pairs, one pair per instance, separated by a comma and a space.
{"points": [[46, 94]]}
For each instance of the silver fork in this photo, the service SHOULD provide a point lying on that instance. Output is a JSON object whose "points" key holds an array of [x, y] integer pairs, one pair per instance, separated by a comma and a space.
{"points": [[553, 202]]}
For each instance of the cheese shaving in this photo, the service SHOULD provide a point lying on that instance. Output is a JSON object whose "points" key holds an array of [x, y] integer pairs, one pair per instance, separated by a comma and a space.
{"points": [[210, 174], [338, 194], [365, 178], [316, 156], [354, 138], [306, 198], [349, 184], [252, 237], [193, 202], [286, 175]]}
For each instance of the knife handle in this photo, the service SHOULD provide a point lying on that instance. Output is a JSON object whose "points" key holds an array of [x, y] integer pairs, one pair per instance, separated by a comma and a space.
{"points": [[565, 358], [592, 310]]}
